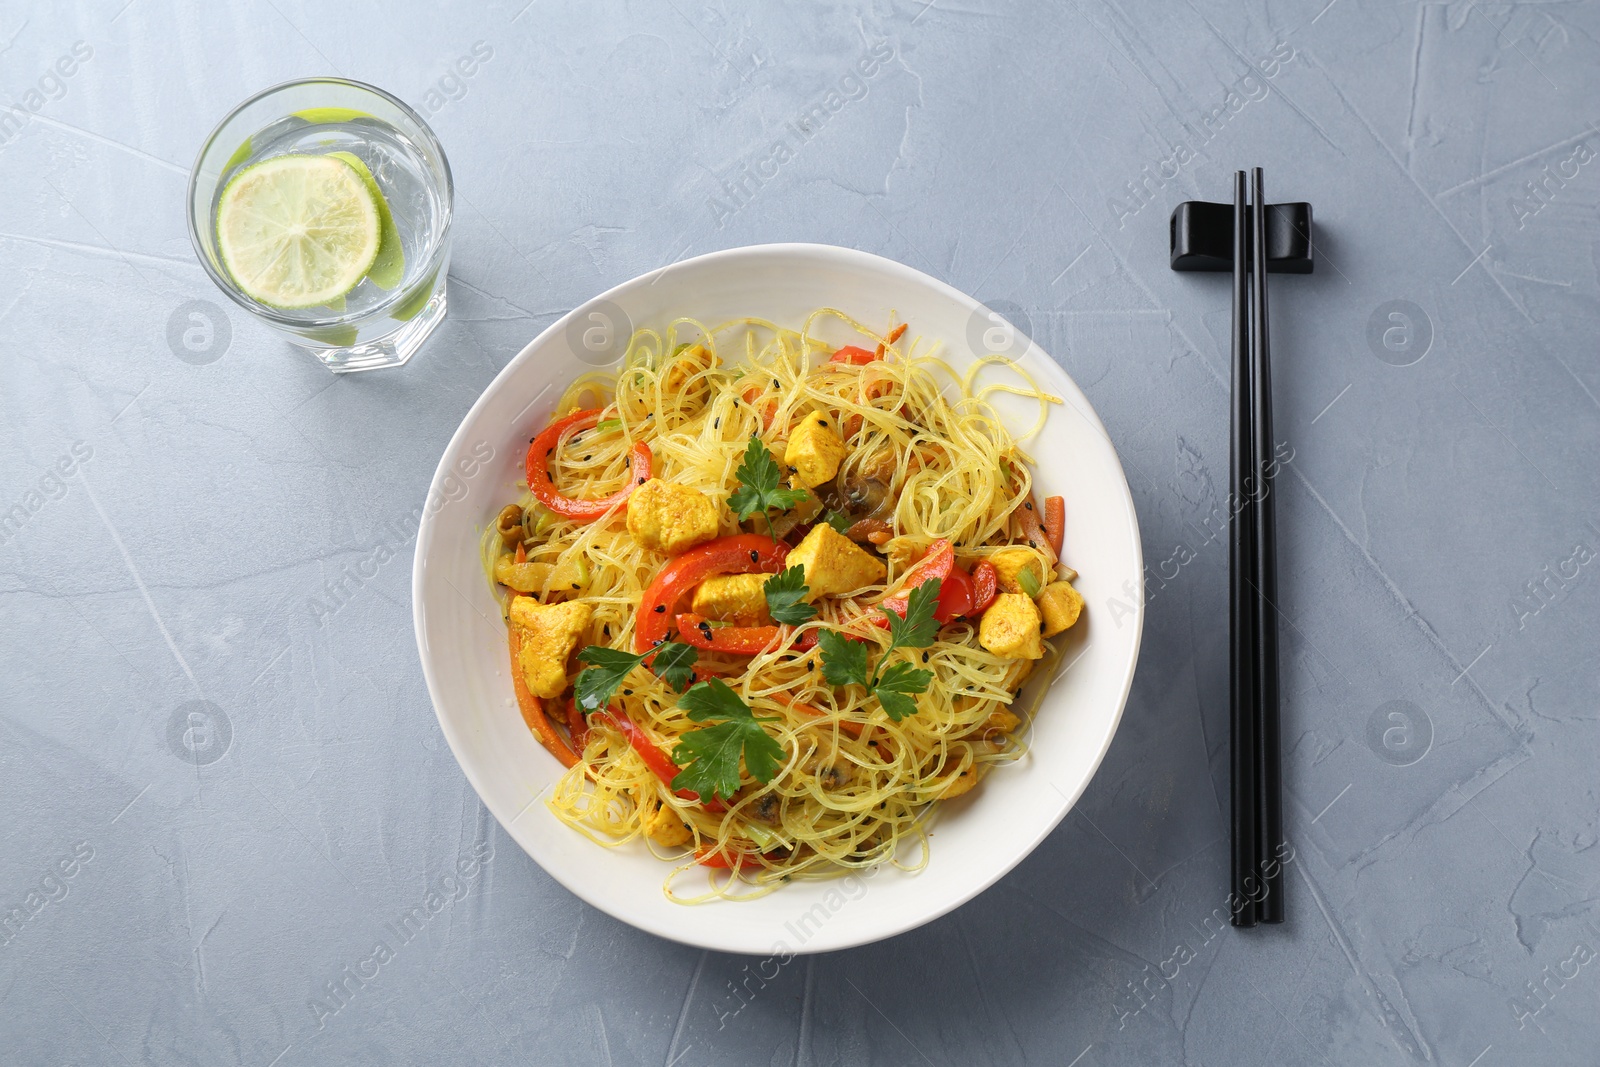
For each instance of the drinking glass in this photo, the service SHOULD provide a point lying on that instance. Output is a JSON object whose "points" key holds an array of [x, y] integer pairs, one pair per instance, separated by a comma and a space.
{"points": [[372, 325]]}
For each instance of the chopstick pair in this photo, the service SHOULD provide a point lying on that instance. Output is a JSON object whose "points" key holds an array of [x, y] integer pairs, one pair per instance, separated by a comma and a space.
{"points": [[1259, 240]]}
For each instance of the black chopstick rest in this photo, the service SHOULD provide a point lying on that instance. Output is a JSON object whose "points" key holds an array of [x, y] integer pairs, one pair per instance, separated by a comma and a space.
{"points": [[1202, 237], [1251, 239]]}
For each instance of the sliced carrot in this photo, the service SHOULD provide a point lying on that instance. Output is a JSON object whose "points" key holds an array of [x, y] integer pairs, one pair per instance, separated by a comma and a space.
{"points": [[1055, 522], [577, 725], [894, 335], [1027, 516], [533, 710]]}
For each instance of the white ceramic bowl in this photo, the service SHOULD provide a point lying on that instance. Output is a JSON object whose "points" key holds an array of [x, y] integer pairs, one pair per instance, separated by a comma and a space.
{"points": [[979, 837]]}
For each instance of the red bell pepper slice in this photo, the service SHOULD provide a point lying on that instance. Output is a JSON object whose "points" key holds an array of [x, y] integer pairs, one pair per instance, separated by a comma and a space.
{"points": [[854, 355], [985, 587], [738, 554], [955, 595], [538, 468], [696, 630], [1055, 522]]}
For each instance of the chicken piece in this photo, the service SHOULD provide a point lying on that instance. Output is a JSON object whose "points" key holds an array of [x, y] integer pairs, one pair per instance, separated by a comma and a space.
{"points": [[1009, 563], [739, 598], [1010, 628], [815, 451], [662, 824], [550, 633], [1059, 606], [670, 518], [834, 564]]}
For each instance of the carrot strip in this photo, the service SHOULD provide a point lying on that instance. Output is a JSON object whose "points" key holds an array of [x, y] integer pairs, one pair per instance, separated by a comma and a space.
{"points": [[1055, 522], [894, 335], [533, 710], [577, 725], [1027, 516]]}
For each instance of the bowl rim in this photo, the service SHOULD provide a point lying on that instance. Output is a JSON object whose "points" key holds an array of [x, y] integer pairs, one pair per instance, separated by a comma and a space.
{"points": [[1052, 369]]}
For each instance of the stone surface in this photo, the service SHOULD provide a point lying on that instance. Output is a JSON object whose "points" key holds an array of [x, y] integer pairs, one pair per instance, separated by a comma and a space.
{"points": [[245, 793]]}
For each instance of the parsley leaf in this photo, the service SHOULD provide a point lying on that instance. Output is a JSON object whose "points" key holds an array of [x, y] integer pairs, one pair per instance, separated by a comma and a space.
{"points": [[674, 664], [785, 593], [838, 520], [898, 685], [1028, 580], [610, 667], [844, 662], [918, 628], [759, 490], [710, 756]]}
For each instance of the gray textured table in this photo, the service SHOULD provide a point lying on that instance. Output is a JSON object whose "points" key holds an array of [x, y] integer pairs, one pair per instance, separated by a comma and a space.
{"points": [[218, 797]]}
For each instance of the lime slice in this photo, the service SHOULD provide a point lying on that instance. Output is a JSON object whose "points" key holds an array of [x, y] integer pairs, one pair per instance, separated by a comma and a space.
{"points": [[389, 269], [298, 231]]}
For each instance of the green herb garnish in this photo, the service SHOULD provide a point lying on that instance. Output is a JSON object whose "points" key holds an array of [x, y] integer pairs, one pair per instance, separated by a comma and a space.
{"points": [[844, 662], [759, 490], [785, 597], [710, 755], [610, 667], [838, 520]]}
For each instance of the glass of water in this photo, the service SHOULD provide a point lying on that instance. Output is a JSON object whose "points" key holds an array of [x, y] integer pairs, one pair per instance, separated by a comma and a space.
{"points": [[345, 255]]}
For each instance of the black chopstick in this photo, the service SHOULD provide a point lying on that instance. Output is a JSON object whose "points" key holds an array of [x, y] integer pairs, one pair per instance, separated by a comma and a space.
{"points": [[1269, 764], [1242, 603]]}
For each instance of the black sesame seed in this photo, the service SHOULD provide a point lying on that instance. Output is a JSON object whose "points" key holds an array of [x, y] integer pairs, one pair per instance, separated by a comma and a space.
{"points": [[587, 458], [1028, 504], [641, 481], [925, 657], [575, 585], [775, 384], [716, 424], [627, 692], [755, 557], [661, 607]]}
